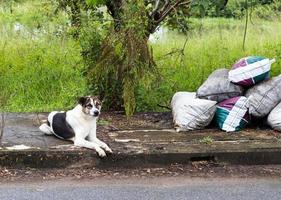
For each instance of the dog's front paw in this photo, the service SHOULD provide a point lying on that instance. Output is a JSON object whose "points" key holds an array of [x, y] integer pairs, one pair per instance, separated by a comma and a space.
{"points": [[101, 152], [108, 150]]}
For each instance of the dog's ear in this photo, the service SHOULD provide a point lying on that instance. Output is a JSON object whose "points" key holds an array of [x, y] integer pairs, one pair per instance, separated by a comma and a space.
{"points": [[82, 100], [101, 97], [101, 100]]}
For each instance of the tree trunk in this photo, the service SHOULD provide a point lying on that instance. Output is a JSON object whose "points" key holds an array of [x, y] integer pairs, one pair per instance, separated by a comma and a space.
{"points": [[125, 57], [125, 54]]}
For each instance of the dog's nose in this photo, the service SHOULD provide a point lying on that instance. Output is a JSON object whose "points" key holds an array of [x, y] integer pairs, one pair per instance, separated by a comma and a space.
{"points": [[96, 113]]}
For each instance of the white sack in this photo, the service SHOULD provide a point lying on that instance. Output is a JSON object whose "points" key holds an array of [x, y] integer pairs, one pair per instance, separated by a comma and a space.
{"points": [[190, 113]]}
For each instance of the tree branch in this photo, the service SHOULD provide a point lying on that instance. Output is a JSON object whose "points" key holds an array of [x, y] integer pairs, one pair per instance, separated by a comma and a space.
{"points": [[225, 2], [156, 6], [114, 9], [165, 11], [167, 3]]}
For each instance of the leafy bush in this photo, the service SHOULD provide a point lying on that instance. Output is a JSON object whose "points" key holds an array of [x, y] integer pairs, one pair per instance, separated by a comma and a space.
{"points": [[269, 11], [234, 8]]}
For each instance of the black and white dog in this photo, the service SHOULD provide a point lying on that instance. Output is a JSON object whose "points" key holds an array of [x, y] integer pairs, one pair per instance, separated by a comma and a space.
{"points": [[78, 125]]}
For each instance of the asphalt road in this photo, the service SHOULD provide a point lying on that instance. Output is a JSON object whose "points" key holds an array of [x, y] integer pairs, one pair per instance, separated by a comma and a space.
{"points": [[145, 188]]}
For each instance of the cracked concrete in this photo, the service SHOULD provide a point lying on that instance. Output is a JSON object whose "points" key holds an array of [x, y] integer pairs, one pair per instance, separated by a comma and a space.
{"points": [[148, 139]]}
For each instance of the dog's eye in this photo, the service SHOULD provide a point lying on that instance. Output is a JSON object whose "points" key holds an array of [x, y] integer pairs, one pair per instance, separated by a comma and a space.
{"points": [[89, 106]]}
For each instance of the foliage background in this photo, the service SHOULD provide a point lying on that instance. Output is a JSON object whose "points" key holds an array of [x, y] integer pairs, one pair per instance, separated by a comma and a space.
{"points": [[42, 68]]}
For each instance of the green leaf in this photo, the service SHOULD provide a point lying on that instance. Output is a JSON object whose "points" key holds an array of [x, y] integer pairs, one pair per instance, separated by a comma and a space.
{"points": [[94, 2]]}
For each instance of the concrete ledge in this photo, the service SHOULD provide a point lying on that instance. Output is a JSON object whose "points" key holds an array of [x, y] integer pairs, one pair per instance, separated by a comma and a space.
{"points": [[134, 144], [88, 159], [48, 159]]}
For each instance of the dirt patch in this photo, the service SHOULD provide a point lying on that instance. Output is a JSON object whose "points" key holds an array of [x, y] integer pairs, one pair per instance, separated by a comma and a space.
{"points": [[196, 169], [114, 122], [140, 120]]}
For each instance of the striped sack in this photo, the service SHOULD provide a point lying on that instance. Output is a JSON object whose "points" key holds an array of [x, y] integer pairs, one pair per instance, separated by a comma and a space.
{"points": [[250, 70], [264, 96], [232, 114], [190, 113]]}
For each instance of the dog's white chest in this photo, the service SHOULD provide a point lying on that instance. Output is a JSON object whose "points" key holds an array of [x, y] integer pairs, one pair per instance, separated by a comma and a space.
{"points": [[82, 127], [88, 128]]}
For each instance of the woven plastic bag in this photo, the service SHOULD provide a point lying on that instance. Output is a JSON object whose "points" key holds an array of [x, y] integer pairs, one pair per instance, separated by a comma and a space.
{"points": [[274, 118], [265, 96], [250, 70], [218, 87], [232, 114], [190, 113]]}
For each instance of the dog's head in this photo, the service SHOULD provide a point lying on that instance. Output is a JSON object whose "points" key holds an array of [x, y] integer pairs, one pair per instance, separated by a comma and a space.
{"points": [[91, 105]]}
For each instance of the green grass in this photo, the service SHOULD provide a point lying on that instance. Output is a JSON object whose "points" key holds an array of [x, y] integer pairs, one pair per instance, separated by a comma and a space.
{"points": [[40, 70], [39, 75], [41, 67], [206, 140], [218, 43]]}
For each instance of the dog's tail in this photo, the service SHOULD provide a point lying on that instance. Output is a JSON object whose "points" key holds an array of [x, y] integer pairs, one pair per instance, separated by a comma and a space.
{"points": [[46, 129]]}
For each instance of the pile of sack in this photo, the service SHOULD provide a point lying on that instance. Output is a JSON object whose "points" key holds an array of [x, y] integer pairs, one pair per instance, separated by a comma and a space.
{"points": [[231, 97]]}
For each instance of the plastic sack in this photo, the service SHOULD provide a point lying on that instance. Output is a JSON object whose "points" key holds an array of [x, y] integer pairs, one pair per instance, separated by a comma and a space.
{"points": [[265, 96], [232, 114], [190, 113], [218, 87], [274, 118], [250, 70]]}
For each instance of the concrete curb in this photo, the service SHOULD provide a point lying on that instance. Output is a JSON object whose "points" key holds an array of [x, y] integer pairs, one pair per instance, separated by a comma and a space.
{"points": [[79, 158], [134, 145]]}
